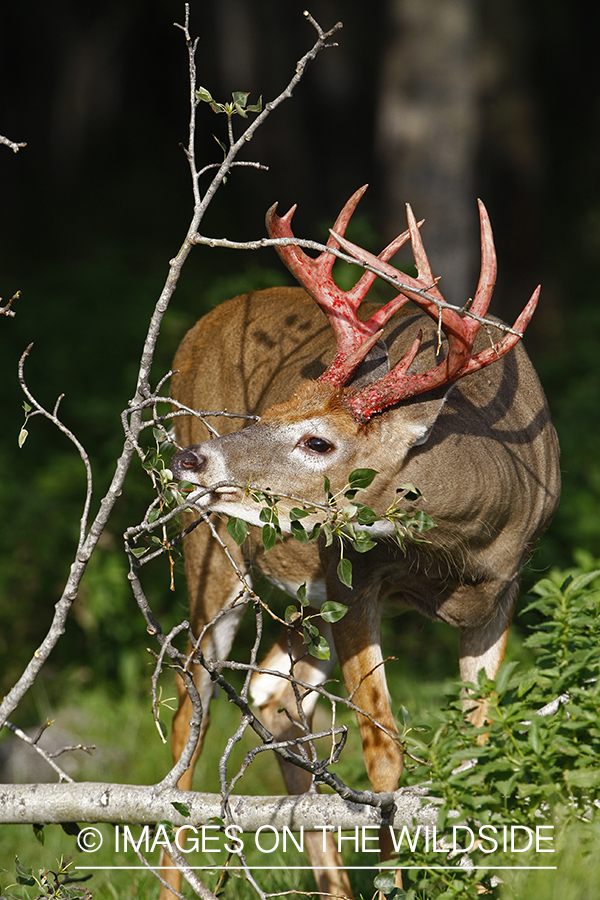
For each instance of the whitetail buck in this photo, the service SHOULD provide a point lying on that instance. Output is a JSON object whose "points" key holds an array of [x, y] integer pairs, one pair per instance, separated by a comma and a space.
{"points": [[467, 425]]}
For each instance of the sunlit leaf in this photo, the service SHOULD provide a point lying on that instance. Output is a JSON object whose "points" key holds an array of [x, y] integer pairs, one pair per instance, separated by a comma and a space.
{"points": [[344, 572], [332, 611]]}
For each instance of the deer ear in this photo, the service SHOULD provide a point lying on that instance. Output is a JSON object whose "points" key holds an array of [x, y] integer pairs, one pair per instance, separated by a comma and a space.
{"points": [[418, 416]]}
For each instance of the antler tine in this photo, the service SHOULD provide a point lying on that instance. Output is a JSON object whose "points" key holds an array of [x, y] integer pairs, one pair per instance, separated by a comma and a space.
{"points": [[314, 274], [341, 223], [487, 275], [491, 354], [460, 332]]}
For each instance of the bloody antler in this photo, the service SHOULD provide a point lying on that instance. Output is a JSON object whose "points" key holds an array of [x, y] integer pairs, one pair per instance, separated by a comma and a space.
{"points": [[355, 338]]}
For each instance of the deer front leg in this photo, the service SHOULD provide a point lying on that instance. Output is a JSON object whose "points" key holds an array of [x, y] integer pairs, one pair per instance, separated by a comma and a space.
{"points": [[357, 642], [212, 586], [358, 645], [278, 709]]}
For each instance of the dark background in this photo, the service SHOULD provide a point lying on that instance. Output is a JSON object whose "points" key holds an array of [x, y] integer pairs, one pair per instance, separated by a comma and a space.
{"points": [[433, 102]]}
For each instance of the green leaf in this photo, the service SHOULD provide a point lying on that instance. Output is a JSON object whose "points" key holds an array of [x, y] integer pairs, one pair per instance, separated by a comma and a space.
{"points": [[420, 522], [361, 478], [204, 95], [332, 611], [301, 595], [24, 875], [269, 537], [582, 778], [535, 739], [364, 542], [138, 551], [26, 406], [299, 532], [327, 531], [240, 98], [291, 613], [296, 513], [238, 530], [40, 834], [182, 808], [163, 730], [502, 678], [319, 648], [581, 581], [386, 883], [411, 493], [366, 516], [404, 716], [344, 572], [255, 107]]}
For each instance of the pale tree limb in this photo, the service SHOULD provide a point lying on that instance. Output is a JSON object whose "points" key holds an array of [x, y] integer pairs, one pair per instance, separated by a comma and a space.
{"points": [[124, 804]]}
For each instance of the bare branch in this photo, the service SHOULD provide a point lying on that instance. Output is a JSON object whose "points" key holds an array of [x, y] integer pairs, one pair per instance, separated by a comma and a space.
{"points": [[13, 146], [6, 310], [397, 283], [47, 757]]}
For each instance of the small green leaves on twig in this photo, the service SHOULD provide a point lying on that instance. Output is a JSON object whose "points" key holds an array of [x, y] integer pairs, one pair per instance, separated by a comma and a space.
{"points": [[342, 522], [239, 104], [329, 612], [347, 521]]}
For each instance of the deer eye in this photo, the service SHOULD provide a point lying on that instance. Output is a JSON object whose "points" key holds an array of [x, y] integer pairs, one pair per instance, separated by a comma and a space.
{"points": [[317, 445]]}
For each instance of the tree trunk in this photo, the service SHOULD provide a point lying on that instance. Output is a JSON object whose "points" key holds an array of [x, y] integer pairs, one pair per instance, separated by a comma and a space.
{"points": [[427, 133]]}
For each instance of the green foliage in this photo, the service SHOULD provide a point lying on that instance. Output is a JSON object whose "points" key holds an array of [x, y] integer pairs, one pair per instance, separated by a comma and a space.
{"points": [[536, 770], [340, 522], [62, 883], [239, 104]]}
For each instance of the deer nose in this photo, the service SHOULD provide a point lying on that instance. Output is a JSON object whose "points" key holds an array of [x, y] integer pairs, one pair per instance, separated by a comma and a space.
{"points": [[185, 461]]}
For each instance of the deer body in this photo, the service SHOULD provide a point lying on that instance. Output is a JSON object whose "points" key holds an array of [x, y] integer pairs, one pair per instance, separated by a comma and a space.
{"points": [[482, 451]]}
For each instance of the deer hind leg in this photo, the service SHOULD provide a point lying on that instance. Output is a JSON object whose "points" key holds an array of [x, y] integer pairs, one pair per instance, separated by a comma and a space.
{"points": [[483, 647], [212, 586], [278, 708]]}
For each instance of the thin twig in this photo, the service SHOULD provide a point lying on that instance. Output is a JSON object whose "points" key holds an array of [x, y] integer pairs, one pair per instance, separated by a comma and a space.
{"points": [[13, 146], [396, 282]]}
